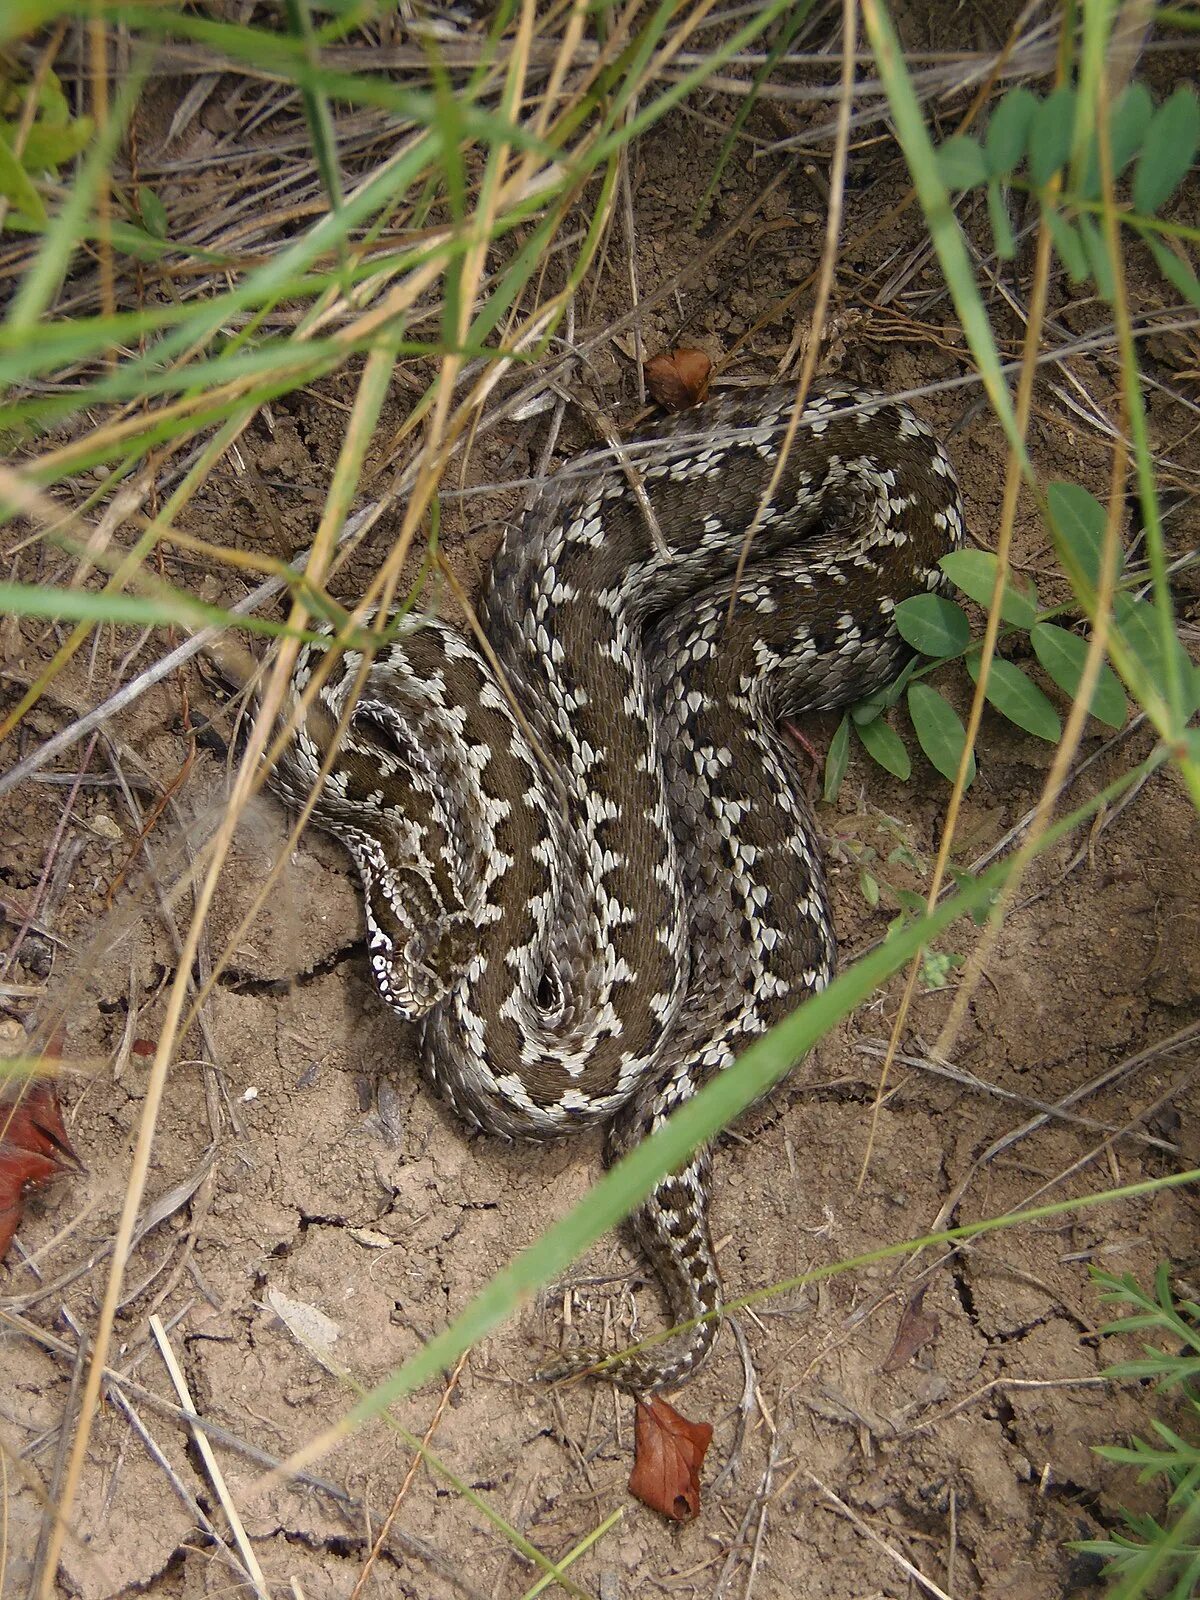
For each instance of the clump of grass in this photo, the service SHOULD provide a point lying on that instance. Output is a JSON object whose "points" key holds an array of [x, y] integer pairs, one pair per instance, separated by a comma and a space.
{"points": [[1153, 1552]]}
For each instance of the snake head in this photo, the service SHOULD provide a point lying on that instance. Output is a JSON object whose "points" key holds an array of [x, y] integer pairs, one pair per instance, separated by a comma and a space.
{"points": [[417, 947]]}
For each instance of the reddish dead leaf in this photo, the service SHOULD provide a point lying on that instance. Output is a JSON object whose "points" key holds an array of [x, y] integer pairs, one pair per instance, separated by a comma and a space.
{"points": [[142, 1047], [668, 1454], [678, 379], [25, 1169], [30, 1119], [34, 1149], [918, 1328]]}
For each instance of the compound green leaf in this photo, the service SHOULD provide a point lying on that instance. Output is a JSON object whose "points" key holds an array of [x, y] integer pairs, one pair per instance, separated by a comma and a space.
{"points": [[1175, 270], [1068, 244], [939, 731], [1061, 655], [1168, 151], [1097, 257], [933, 625], [1050, 136], [17, 186], [961, 162], [1131, 116], [154, 213], [867, 710], [1141, 628], [1127, 126], [1002, 231], [1008, 131], [974, 572], [1014, 696], [836, 761], [885, 747], [53, 106], [1078, 520], [48, 147]]}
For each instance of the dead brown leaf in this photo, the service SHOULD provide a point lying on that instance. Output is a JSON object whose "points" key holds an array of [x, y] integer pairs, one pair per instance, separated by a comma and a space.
{"points": [[668, 1454], [918, 1328], [678, 379], [34, 1148]]}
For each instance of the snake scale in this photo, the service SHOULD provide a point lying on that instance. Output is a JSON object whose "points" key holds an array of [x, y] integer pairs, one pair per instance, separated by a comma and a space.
{"points": [[592, 906]]}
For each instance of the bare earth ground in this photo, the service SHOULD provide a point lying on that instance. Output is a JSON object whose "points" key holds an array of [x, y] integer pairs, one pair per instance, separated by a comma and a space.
{"points": [[339, 1182]]}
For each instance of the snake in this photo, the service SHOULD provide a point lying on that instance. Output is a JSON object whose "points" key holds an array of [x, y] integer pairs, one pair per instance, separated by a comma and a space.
{"points": [[589, 868]]}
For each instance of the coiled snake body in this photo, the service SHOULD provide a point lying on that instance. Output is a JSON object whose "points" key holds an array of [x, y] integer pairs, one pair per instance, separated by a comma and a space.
{"points": [[592, 907]]}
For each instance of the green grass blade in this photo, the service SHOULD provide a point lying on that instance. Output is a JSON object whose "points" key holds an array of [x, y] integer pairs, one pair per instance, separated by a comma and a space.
{"points": [[793, 22], [142, 611], [261, 49], [316, 106]]}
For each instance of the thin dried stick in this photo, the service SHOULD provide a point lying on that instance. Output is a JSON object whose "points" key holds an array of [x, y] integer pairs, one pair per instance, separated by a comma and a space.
{"points": [[950, 1204], [60, 1457], [159, 1457], [928, 1424], [205, 639], [1063, 756], [774, 1457], [890, 1550], [216, 1476], [749, 1388], [166, 1205], [245, 783], [121, 1382], [1047, 1112], [414, 1466], [35, 904], [833, 228]]}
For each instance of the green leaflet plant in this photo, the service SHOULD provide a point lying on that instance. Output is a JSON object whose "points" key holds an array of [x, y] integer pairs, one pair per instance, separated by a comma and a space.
{"points": [[939, 629], [50, 140], [1028, 146], [1048, 145], [1152, 1552]]}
